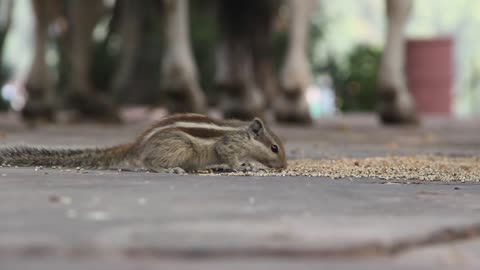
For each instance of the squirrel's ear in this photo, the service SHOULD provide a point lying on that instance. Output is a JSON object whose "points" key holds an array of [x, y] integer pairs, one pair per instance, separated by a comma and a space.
{"points": [[256, 126]]}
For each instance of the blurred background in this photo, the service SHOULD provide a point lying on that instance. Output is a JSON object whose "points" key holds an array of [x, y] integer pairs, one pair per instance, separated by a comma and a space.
{"points": [[346, 40]]}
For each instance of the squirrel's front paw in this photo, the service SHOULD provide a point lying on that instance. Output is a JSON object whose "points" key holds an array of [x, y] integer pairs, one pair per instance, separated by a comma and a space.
{"points": [[250, 167], [220, 168], [246, 167], [225, 168], [243, 167], [176, 170]]}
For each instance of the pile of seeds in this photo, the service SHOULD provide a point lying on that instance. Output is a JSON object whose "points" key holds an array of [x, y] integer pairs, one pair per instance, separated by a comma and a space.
{"points": [[419, 167]]}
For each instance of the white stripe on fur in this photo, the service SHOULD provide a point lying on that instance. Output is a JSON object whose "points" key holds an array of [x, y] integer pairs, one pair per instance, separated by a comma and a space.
{"points": [[184, 124]]}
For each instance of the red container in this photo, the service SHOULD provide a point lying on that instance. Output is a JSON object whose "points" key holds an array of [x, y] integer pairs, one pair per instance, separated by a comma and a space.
{"points": [[430, 73]]}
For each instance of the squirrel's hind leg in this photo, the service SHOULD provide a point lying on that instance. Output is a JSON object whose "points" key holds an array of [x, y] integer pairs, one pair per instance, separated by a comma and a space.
{"points": [[169, 154]]}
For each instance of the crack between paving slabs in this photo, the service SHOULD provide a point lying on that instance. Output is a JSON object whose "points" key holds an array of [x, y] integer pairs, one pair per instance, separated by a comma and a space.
{"points": [[370, 249]]}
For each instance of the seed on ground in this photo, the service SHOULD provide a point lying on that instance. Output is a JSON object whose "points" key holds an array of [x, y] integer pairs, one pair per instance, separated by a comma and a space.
{"points": [[417, 167]]}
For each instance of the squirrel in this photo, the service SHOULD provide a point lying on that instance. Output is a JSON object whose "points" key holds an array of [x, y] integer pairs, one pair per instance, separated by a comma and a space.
{"points": [[186, 142]]}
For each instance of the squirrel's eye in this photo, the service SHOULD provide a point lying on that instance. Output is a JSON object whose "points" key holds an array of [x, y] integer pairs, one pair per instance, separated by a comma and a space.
{"points": [[274, 148]]}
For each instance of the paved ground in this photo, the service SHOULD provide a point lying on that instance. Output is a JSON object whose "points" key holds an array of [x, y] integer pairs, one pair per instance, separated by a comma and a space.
{"points": [[52, 219]]}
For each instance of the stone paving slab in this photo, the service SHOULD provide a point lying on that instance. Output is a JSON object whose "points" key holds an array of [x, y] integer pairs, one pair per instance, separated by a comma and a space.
{"points": [[47, 216], [228, 264], [112, 211]]}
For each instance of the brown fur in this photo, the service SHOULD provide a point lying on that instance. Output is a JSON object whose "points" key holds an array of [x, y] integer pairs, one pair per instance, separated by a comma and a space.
{"points": [[189, 147]]}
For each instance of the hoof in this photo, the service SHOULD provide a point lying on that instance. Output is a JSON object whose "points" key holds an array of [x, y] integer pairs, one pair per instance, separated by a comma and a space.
{"points": [[241, 114], [393, 118], [38, 109], [294, 118], [180, 101], [35, 113], [242, 103], [396, 107], [93, 107], [292, 109]]}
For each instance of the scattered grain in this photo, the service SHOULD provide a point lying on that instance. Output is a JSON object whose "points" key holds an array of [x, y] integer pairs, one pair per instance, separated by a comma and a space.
{"points": [[417, 167]]}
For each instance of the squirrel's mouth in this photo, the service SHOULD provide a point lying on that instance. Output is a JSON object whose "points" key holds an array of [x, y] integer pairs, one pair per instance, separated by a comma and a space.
{"points": [[277, 165]]}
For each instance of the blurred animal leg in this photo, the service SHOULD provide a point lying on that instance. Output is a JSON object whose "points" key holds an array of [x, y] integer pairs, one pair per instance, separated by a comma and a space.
{"points": [[82, 95], [179, 73], [6, 10], [295, 76], [40, 85], [262, 19], [234, 75], [395, 105]]}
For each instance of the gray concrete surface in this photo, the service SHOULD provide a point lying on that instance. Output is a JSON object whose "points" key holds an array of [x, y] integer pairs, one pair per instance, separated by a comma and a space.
{"points": [[59, 219]]}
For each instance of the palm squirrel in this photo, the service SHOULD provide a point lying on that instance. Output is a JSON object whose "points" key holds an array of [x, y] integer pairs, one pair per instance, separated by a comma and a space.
{"points": [[186, 141]]}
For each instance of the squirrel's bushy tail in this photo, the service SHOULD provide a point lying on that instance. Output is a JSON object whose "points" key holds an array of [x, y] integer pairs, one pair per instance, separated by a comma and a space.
{"points": [[87, 158]]}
